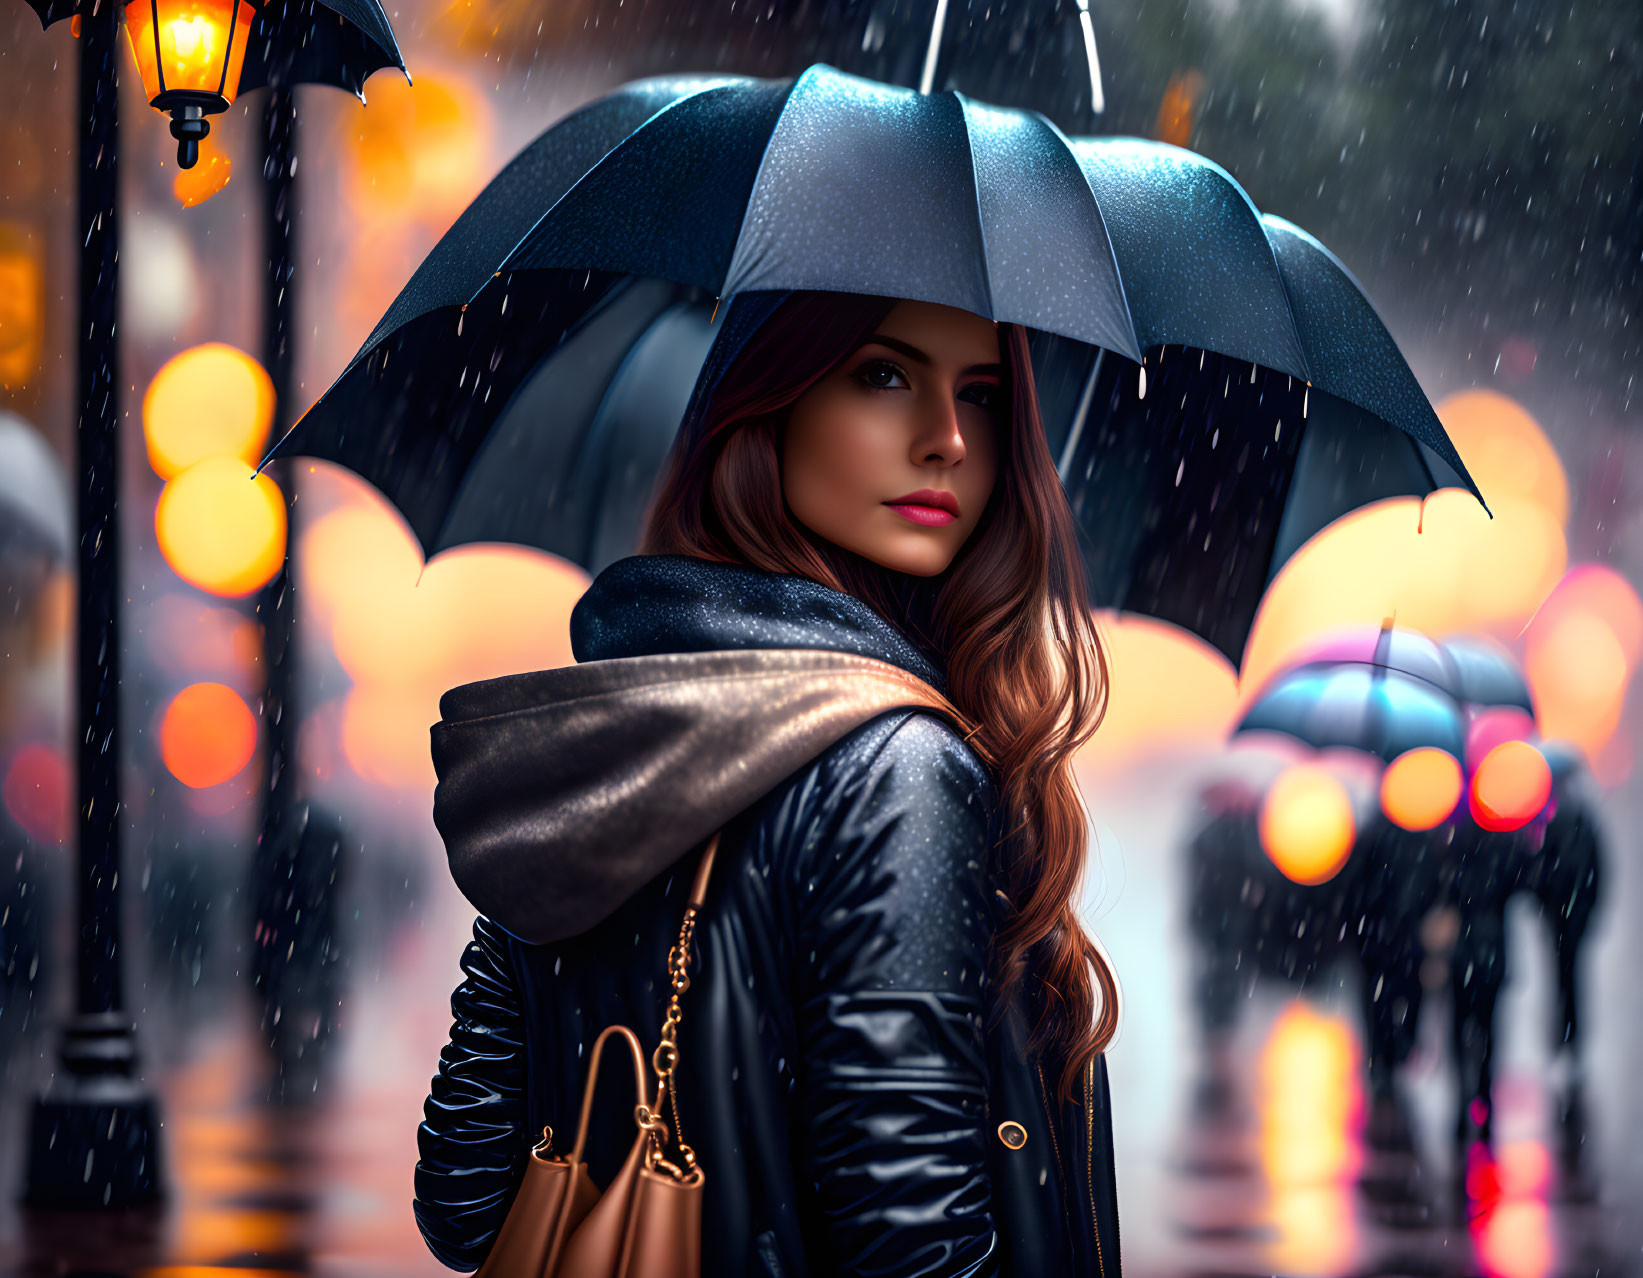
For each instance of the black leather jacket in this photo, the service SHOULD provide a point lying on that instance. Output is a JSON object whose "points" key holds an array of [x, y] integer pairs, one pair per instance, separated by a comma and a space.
{"points": [[841, 1080]]}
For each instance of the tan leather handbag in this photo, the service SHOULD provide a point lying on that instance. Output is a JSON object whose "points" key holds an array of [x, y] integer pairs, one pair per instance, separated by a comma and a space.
{"points": [[648, 1221]]}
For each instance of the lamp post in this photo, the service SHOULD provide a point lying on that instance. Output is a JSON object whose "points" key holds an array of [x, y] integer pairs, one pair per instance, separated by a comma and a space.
{"points": [[94, 1136]]}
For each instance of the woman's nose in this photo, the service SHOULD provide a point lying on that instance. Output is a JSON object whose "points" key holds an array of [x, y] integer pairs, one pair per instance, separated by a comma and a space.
{"points": [[940, 438]]}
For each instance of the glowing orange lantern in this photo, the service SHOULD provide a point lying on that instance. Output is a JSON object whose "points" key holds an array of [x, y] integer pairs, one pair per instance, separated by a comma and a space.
{"points": [[1510, 787], [207, 735], [211, 400], [189, 53], [1306, 824], [1420, 788], [220, 528]]}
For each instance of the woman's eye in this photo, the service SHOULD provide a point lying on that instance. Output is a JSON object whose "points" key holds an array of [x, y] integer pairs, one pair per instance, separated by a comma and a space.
{"points": [[984, 394], [881, 375]]}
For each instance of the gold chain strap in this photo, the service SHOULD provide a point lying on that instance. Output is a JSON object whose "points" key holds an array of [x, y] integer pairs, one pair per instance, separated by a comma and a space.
{"points": [[665, 1059]]}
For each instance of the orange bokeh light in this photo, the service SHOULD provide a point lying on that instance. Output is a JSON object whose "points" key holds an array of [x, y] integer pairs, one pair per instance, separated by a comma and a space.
{"points": [[1442, 567], [1515, 1240], [22, 305], [211, 400], [1445, 569], [220, 528], [36, 793], [1580, 652], [1179, 108], [405, 633], [1421, 787], [1505, 450], [420, 152], [385, 735], [1311, 1115], [208, 176], [1169, 690], [207, 734], [1306, 824], [1510, 786]]}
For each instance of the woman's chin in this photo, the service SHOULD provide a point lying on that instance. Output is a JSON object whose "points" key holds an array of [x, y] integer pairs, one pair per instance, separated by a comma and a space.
{"points": [[916, 554]]}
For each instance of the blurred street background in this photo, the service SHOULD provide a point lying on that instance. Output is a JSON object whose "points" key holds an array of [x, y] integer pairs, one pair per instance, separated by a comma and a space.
{"points": [[1476, 164]]}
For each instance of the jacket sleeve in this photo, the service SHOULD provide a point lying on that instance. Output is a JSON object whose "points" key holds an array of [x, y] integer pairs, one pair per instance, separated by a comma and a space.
{"points": [[472, 1141], [893, 935]]}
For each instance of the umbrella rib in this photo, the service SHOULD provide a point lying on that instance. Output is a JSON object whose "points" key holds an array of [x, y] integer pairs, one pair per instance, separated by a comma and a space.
{"points": [[1135, 352], [933, 54], [649, 120], [975, 191], [1098, 99], [1070, 450], [764, 158]]}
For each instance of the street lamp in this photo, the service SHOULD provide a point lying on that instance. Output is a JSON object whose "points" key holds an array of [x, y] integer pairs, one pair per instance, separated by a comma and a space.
{"points": [[190, 53]]}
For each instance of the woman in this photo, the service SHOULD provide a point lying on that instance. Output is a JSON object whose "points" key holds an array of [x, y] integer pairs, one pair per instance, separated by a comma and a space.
{"points": [[892, 1050]]}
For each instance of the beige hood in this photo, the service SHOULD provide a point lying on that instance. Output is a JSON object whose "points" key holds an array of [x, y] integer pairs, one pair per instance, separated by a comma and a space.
{"points": [[562, 792]]}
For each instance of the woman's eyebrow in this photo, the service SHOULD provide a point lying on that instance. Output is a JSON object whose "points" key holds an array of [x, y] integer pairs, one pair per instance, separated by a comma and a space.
{"points": [[917, 356]]}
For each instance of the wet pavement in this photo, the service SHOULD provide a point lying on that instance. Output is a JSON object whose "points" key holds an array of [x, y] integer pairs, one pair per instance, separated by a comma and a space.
{"points": [[1252, 1155]]}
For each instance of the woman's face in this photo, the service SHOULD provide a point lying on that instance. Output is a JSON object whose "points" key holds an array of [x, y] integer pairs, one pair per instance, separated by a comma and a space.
{"points": [[894, 454]]}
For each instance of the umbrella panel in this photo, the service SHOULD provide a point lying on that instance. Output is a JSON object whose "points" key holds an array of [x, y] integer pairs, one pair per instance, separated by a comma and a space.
{"points": [[1178, 487], [569, 465], [426, 397]]}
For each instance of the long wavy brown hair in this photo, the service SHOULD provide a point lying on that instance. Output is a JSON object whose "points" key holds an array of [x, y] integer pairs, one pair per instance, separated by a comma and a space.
{"points": [[1009, 619]]}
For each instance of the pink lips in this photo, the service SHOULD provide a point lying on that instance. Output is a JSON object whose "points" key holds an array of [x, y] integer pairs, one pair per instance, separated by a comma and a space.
{"points": [[927, 508], [928, 516]]}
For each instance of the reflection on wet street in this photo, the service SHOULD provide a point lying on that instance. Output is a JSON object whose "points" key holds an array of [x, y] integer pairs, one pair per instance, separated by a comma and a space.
{"points": [[321, 1186], [1255, 1150]]}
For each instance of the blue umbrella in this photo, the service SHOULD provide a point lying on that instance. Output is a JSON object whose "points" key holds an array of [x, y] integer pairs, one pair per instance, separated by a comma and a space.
{"points": [[1383, 695], [1474, 670], [722, 188], [1380, 711], [1486, 674]]}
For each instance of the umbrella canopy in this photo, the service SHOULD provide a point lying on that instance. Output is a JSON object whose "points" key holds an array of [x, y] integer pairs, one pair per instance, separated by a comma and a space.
{"points": [[1359, 706], [1486, 674], [335, 42], [739, 188], [1472, 669]]}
